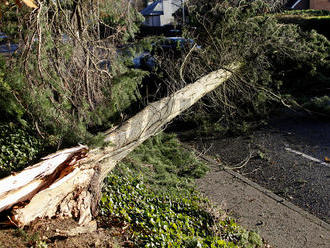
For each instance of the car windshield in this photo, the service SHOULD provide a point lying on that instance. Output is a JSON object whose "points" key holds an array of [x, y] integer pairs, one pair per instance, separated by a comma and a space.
{"points": [[174, 42]]}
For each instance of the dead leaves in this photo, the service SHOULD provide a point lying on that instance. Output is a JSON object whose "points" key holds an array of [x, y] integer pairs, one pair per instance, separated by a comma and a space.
{"points": [[29, 3]]}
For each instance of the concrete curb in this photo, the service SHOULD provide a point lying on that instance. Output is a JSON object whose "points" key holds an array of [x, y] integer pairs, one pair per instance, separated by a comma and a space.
{"points": [[266, 192]]}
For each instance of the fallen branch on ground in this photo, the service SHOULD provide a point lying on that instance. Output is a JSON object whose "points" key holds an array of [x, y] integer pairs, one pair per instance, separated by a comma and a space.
{"points": [[68, 183]]}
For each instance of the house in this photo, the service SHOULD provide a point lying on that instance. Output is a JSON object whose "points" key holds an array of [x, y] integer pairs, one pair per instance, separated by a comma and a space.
{"points": [[319, 4], [310, 4], [160, 12]]}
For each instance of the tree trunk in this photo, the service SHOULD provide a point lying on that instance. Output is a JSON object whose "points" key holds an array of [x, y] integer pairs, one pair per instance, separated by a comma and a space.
{"points": [[68, 183]]}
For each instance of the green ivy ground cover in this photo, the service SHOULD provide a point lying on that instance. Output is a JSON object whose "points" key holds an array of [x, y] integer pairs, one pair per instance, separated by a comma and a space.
{"points": [[18, 148], [161, 214]]}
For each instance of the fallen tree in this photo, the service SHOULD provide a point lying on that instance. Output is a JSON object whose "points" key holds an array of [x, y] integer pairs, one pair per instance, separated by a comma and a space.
{"points": [[68, 183]]}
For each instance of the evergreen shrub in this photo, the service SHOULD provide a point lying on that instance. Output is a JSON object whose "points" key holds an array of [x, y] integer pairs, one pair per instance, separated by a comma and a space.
{"points": [[10, 108]]}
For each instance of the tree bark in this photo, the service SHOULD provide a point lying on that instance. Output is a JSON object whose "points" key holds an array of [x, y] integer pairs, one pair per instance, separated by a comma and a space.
{"points": [[68, 183]]}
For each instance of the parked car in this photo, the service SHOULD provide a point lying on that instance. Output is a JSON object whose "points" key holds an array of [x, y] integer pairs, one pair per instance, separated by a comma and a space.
{"points": [[170, 46], [175, 43], [174, 32], [6, 47], [3, 36], [144, 61]]}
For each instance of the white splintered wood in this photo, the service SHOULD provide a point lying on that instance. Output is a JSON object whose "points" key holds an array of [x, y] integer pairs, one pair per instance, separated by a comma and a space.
{"points": [[41, 169], [22, 186], [45, 203], [19, 195]]}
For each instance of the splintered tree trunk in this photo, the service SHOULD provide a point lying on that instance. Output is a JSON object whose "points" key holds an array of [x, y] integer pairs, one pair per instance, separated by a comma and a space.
{"points": [[68, 182]]}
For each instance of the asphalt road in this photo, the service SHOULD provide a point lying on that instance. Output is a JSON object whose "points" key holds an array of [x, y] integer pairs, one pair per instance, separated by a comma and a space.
{"points": [[286, 157]]}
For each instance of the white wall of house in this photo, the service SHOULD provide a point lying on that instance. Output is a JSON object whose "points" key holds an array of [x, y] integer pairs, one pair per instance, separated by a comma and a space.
{"points": [[169, 7], [167, 17]]}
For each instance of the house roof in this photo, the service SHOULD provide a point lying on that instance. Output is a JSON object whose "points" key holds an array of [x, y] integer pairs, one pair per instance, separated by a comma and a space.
{"points": [[156, 8]]}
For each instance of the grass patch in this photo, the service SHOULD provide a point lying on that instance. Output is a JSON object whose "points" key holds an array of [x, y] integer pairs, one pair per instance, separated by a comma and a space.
{"points": [[151, 195]]}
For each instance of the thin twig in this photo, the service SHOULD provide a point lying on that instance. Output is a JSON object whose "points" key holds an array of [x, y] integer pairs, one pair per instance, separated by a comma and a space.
{"points": [[241, 164]]}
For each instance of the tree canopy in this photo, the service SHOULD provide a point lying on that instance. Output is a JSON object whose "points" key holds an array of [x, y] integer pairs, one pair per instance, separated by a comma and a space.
{"points": [[69, 77], [279, 59]]}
